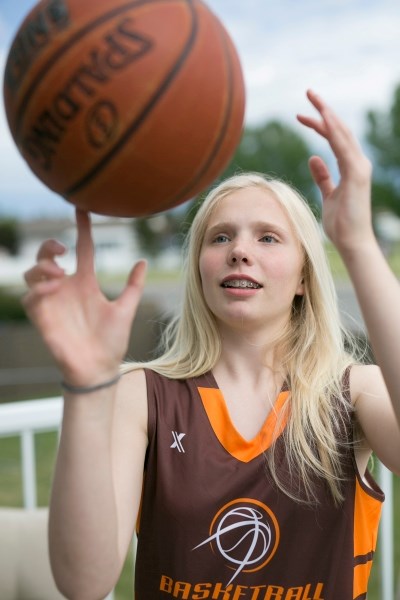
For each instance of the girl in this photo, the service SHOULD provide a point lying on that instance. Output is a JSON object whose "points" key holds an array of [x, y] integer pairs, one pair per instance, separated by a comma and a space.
{"points": [[241, 452]]}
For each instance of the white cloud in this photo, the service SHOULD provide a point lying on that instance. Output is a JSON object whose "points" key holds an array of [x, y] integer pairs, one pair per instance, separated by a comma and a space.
{"points": [[347, 50]]}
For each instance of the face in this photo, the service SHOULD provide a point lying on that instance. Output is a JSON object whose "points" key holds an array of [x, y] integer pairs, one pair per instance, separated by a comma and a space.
{"points": [[250, 262]]}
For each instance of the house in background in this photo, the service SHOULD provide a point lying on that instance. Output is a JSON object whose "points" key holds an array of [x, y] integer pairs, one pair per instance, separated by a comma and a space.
{"points": [[116, 247]]}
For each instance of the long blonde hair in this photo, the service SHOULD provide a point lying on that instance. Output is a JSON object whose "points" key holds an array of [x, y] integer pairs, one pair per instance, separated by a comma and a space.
{"points": [[312, 347]]}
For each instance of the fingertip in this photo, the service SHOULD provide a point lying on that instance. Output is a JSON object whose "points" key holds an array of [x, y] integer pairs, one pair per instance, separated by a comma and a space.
{"points": [[58, 247], [141, 267], [49, 249], [137, 275], [316, 100], [142, 261]]}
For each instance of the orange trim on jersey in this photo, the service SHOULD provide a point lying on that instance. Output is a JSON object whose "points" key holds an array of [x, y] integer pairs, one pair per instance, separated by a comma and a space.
{"points": [[367, 512], [227, 434]]}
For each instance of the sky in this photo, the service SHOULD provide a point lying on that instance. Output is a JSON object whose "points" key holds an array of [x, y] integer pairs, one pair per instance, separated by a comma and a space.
{"points": [[346, 50]]}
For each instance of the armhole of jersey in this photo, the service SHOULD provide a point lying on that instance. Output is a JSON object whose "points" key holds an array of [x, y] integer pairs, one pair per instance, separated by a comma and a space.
{"points": [[367, 482], [151, 403]]}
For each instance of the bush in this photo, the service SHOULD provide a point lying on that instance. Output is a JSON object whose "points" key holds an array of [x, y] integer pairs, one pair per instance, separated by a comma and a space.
{"points": [[9, 235], [11, 308]]}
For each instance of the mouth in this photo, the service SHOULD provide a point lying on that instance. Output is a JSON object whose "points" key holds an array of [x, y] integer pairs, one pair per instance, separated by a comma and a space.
{"points": [[241, 284]]}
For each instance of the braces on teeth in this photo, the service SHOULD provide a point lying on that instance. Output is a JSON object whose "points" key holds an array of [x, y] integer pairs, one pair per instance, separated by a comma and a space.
{"points": [[242, 283]]}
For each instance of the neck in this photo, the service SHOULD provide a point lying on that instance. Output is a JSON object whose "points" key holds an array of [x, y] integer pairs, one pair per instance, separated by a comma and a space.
{"points": [[248, 353]]}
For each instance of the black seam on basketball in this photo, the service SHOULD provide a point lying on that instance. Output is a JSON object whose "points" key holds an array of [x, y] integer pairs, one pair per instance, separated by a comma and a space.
{"points": [[79, 185], [71, 42], [228, 110]]}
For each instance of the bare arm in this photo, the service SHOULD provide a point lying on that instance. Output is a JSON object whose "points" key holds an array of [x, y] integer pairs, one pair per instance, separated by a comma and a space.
{"points": [[347, 221], [98, 478]]}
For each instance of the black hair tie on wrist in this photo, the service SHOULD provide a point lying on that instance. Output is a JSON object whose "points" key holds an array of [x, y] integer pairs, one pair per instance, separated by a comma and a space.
{"points": [[88, 389]]}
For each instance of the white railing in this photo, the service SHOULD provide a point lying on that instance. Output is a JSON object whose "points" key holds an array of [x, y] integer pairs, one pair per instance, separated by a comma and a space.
{"points": [[26, 419]]}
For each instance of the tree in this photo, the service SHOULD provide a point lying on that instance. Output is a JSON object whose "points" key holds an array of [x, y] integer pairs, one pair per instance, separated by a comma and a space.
{"points": [[157, 233], [9, 236], [273, 148], [383, 135], [278, 150]]}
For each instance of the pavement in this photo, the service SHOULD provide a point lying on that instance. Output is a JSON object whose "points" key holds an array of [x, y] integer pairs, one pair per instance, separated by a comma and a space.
{"points": [[349, 308]]}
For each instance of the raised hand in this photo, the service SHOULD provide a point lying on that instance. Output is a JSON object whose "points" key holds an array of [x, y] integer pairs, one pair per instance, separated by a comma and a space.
{"points": [[346, 206], [86, 333]]}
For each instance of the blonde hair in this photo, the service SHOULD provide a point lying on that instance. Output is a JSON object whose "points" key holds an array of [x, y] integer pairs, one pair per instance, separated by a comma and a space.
{"points": [[312, 347]]}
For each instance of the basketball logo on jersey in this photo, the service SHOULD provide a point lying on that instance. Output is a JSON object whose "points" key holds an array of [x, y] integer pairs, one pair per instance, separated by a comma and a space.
{"points": [[245, 532]]}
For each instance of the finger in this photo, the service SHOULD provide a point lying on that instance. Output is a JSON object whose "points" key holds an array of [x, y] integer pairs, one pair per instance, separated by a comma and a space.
{"points": [[50, 249], [33, 297], [344, 145], [329, 124], [137, 276], [327, 114], [338, 134], [130, 297], [316, 101], [321, 175], [318, 126], [84, 244], [44, 270]]}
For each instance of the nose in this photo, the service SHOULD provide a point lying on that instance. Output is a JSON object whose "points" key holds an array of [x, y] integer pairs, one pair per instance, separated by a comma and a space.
{"points": [[235, 259], [239, 255]]}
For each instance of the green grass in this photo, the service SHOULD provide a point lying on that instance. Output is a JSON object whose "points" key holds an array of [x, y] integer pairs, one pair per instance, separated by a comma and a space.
{"points": [[152, 276], [46, 443], [11, 488]]}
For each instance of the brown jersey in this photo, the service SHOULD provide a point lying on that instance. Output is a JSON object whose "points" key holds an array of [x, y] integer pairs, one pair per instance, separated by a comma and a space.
{"points": [[213, 524]]}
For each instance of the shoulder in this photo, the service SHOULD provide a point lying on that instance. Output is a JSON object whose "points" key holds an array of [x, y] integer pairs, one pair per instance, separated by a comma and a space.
{"points": [[131, 398], [375, 414], [134, 379], [366, 380]]}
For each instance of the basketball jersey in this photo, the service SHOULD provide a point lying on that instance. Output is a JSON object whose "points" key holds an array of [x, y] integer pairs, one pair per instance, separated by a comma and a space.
{"points": [[213, 524]]}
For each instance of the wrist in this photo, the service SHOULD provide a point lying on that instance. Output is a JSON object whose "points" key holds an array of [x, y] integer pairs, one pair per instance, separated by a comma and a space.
{"points": [[89, 389], [88, 373], [356, 247], [362, 256]]}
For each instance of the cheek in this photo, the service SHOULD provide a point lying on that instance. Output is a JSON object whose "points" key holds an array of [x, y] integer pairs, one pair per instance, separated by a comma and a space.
{"points": [[288, 269], [207, 266], [209, 269]]}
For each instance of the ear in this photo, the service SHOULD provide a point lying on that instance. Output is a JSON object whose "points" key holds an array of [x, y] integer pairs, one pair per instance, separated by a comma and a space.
{"points": [[300, 288]]}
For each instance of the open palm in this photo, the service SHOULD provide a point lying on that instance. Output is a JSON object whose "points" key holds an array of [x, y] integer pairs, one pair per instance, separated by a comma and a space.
{"points": [[86, 333], [346, 211]]}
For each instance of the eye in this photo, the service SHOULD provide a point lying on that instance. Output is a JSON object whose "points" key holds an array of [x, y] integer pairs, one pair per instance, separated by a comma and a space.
{"points": [[269, 238], [220, 239]]}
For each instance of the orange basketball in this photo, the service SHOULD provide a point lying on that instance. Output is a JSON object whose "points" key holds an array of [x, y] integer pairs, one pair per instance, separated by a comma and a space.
{"points": [[125, 108]]}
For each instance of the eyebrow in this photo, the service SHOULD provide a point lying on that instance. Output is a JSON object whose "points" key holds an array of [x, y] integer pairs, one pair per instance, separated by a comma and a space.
{"points": [[258, 225]]}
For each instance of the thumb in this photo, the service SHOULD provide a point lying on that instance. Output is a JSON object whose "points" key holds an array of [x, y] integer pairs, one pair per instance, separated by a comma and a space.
{"points": [[131, 295], [320, 174]]}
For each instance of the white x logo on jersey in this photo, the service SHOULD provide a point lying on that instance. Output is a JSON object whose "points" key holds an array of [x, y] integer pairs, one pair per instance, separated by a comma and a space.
{"points": [[177, 443]]}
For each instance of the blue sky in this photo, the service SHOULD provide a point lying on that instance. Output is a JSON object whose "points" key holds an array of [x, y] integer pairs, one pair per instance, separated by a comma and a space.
{"points": [[347, 50]]}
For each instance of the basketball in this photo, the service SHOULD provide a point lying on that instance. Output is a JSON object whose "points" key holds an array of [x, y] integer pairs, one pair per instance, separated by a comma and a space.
{"points": [[124, 108]]}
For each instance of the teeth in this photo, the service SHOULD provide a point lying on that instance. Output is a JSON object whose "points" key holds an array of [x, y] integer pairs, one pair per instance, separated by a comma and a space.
{"points": [[241, 283]]}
